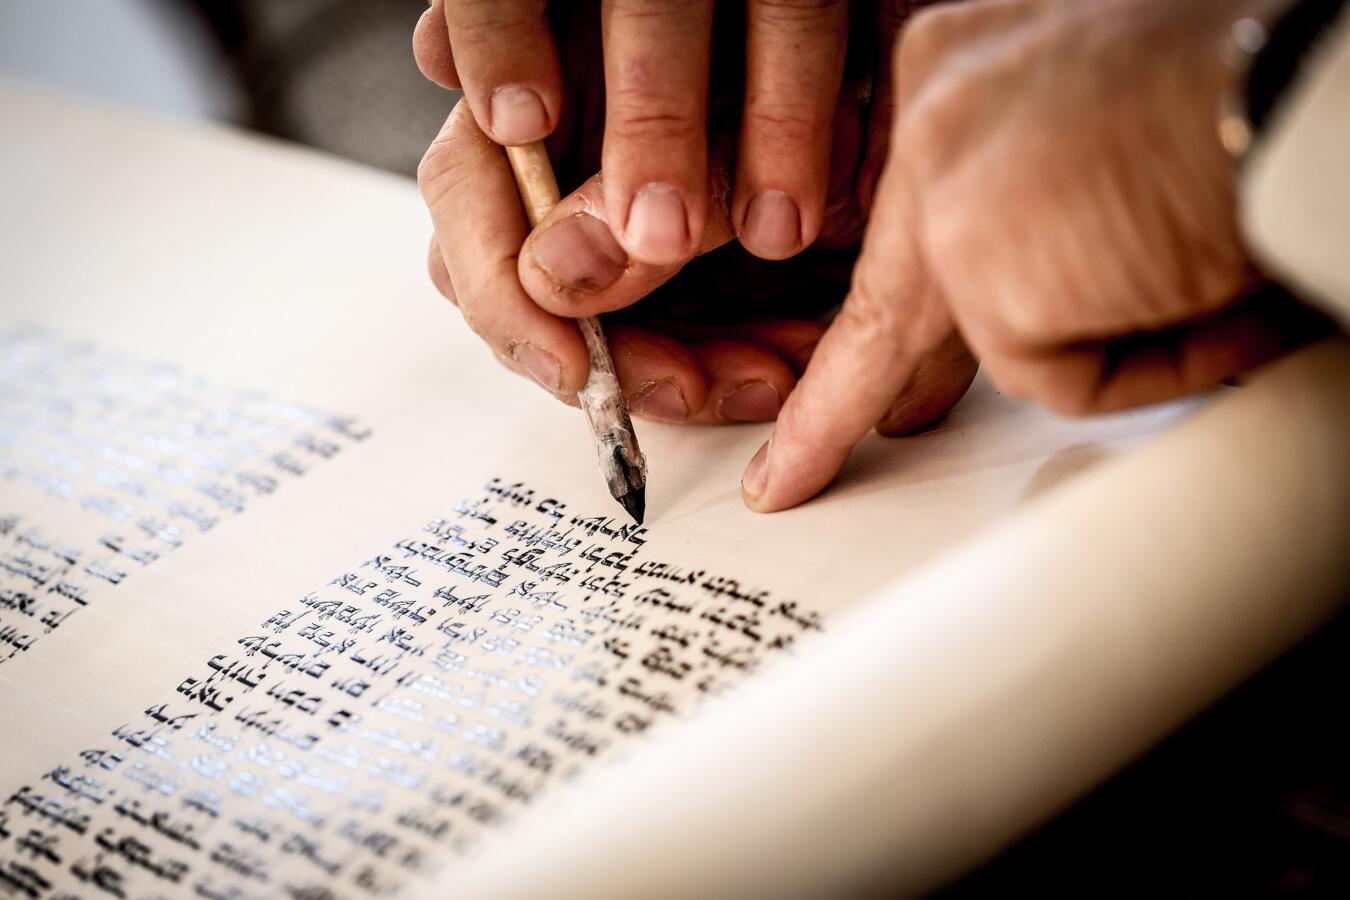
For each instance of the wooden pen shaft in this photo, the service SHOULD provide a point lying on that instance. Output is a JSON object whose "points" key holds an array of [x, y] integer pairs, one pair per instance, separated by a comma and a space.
{"points": [[535, 180], [601, 398]]}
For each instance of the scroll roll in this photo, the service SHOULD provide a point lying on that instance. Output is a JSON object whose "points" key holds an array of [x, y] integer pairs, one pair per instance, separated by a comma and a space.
{"points": [[966, 703]]}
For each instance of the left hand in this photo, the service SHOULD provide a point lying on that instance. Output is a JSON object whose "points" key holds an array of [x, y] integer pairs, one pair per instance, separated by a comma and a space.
{"points": [[1057, 194]]}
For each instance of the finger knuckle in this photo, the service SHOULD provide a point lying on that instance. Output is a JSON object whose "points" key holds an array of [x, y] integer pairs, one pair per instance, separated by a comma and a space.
{"points": [[445, 168], [783, 120], [936, 118], [1048, 385], [799, 7], [870, 314], [478, 325], [477, 23], [637, 120], [435, 162], [935, 26], [1006, 379], [926, 400], [471, 312], [439, 174], [441, 281], [657, 9], [924, 31], [930, 42], [1066, 399], [799, 16]]}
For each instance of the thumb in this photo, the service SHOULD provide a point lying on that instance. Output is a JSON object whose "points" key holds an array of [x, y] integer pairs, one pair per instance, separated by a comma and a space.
{"points": [[572, 265]]}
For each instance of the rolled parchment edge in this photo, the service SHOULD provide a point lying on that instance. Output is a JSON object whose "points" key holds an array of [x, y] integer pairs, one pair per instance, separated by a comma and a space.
{"points": [[964, 704]]}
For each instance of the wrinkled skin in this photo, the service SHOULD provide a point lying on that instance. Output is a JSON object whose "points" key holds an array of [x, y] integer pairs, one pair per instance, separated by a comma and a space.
{"points": [[1055, 193], [715, 334]]}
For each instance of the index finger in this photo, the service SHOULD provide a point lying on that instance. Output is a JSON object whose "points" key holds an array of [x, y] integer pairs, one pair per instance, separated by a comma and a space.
{"points": [[475, 209], [891, 320]]}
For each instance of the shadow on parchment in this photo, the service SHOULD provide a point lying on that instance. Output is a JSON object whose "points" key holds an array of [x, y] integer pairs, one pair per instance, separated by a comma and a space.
{"points": [[1063, 466]]}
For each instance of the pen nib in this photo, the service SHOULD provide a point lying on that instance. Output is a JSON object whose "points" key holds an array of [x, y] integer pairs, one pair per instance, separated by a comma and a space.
{"points": [[635, 501], [626, 474]]}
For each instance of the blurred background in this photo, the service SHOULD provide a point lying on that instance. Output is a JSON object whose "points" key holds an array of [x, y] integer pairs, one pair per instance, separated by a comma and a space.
{"points": [[1252, 799], [334, 74]]}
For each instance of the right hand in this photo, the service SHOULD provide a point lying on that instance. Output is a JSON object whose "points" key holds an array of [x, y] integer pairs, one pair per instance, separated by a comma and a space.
{"points": [[720, 340]]}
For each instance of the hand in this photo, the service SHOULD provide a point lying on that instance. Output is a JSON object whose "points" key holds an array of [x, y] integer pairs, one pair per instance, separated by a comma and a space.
{"points": [[1055, 193], [725, 339], [653, 79]]}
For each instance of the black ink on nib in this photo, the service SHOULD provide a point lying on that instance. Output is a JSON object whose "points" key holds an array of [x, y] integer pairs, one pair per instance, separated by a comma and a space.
{"points": [[635, 501], [627, 480]]}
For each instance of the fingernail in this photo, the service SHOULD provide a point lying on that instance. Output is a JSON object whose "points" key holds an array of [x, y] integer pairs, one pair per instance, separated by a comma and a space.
{"points": [[756, 476], [658, 227], [579, 252], [753, 402], [518, 115], [660, 400], [773, 225], [542, 365]]}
